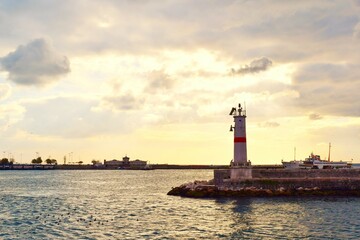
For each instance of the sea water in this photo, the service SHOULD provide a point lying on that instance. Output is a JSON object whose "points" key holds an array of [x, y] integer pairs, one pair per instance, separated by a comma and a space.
{"points": [[118, 204]]}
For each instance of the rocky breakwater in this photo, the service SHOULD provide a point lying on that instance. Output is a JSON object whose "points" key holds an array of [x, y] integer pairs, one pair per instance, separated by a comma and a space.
{"points": [[270, 188]]}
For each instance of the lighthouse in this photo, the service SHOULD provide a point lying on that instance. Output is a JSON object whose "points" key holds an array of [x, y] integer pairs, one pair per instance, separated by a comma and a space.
{"points": [[240, 166]]}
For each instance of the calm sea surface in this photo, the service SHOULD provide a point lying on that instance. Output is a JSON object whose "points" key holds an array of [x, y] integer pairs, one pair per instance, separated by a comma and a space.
{"points": [[134, 205]]}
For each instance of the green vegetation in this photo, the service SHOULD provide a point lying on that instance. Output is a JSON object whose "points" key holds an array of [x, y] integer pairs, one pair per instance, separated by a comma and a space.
{"points": [[51, 161], [95, 162], [37, 160], [4, 161]]}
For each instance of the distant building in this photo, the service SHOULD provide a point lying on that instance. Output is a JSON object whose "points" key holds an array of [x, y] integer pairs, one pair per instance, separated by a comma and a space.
{"points": [[138, 163], [114, 163], [98, 164], [125, 163]]}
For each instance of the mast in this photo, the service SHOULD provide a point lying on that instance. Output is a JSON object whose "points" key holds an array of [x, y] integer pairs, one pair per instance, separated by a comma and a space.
{"points": [[329, 152]]}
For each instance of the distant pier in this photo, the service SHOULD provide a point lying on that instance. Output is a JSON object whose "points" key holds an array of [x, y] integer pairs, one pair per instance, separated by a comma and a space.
{"points": [[110, 167], [27, 167]]}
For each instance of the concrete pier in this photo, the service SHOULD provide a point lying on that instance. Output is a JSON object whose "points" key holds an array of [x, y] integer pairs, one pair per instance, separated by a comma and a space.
{"points": [[276, 182]]}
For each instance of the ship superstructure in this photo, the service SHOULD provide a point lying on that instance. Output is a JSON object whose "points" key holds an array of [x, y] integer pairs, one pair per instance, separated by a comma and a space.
{"points": [[315, 162]]}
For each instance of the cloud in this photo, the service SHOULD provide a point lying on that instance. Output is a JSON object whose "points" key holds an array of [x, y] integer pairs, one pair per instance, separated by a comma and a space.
{"points": [[123, 102], [239, 29], [10, 114], [5, 91], [327, 72], [159, 80], [255, 66], [328, 89], [357, 3], [357, 31], [175, 113], [36, 63], [72, 117], [315, 116], [269, 124]]}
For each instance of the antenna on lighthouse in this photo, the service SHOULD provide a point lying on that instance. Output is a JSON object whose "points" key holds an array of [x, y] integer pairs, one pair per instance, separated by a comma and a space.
{"points": [[244, 108], [240, 109]]}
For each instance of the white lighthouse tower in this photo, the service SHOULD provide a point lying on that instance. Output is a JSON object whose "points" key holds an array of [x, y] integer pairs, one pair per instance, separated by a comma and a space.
{"points": [[240, 166]]}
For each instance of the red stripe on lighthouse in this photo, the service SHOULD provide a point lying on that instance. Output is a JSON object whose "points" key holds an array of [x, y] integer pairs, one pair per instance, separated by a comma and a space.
{"points": [[240, 139]]}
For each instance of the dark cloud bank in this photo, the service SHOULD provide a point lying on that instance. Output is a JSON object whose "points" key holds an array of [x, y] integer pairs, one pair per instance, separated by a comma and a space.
{"points": [[35, 63], [328, 89]]}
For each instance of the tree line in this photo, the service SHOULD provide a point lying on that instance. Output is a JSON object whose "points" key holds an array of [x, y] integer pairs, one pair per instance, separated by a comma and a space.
{"points": [[38, 160]]}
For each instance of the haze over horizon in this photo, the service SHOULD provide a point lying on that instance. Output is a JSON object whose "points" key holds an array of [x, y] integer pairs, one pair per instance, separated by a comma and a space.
{"points": [[156, 79]]}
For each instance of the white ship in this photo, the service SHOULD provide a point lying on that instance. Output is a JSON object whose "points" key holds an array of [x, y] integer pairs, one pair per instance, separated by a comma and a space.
{"points": [[292, 164], [315, 162]]}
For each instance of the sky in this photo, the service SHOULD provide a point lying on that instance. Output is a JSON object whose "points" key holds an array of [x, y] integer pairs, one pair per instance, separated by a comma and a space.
{"points": [[156, 80]]}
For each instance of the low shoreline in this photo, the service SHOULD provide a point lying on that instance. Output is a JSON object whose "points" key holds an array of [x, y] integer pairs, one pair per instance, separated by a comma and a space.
{"points": [[102, 167]]}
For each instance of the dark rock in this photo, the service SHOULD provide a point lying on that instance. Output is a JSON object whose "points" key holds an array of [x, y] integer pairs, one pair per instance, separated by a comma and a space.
{"points": [[270, 188]]}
